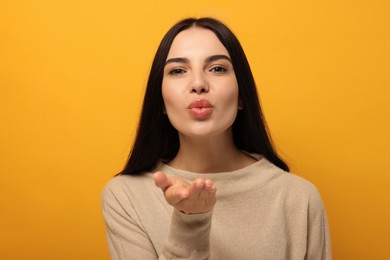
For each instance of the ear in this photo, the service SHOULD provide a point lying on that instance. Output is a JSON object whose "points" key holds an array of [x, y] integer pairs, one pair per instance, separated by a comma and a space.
{"points": [[164, 111], [240, 105]]}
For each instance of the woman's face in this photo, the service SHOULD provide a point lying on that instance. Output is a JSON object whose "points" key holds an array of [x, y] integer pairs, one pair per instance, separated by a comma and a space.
{"points": [[199, 87]]}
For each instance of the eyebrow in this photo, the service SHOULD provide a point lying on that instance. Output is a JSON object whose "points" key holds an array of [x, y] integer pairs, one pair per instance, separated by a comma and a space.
{"points": [[208, 59], [218, 57]]}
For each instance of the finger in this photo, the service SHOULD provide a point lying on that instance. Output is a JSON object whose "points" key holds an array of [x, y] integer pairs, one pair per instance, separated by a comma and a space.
{"points": [[162, 181], [208, 194], [196, 187], [199, 184], [210, 185], [204, 185], [200, 188]]}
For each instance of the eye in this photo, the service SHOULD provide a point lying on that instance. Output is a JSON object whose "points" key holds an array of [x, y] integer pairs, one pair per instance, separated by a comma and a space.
{"points": [[176, 72], [218, 69]]}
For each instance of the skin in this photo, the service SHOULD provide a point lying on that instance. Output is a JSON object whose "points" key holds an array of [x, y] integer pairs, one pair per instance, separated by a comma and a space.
{"points": [[198, 67]]}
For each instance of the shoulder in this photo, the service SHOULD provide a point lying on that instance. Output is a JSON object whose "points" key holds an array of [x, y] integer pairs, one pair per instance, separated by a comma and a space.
{"points": [[123, 188], [122, 183], [296, 187], [125, 198], [301, 185]]}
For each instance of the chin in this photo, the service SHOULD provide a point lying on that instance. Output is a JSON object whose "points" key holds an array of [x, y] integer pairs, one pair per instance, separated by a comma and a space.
{"points": [[204, 132]]}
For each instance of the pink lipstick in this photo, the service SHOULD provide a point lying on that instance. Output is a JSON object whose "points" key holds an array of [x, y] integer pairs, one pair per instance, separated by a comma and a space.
{"points": [[200, 109]]}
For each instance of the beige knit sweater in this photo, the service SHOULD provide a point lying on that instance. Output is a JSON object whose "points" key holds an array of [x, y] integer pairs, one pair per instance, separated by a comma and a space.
{"points": [[261, 212]]}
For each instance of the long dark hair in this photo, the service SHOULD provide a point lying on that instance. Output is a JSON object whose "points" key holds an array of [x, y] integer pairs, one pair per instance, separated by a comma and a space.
{"points": [[157, 139]]}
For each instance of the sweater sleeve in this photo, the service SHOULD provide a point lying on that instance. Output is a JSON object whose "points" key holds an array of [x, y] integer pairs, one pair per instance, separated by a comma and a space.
{"points": [[125, 236], [188, 237], [318, 237]]}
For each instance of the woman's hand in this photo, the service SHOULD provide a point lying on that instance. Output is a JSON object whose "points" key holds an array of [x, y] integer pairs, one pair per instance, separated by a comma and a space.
{"points": [[194, 198]]}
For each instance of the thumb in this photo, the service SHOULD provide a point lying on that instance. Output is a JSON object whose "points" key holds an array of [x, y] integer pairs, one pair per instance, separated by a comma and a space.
{"points": [[162, 181]]}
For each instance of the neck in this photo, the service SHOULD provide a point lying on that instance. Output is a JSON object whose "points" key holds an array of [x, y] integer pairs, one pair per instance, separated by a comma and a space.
{"points": [[209, 155]]}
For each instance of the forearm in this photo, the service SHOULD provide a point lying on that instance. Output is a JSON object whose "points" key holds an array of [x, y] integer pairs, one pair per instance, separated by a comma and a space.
{"points": [[188, 237]]}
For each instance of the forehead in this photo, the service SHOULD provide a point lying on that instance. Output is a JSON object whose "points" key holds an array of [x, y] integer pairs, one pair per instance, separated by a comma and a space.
{"points": [[196, 41]]}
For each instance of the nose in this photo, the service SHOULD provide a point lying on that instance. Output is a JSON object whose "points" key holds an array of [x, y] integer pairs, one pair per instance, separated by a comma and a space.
{"points": [[199, 84]]}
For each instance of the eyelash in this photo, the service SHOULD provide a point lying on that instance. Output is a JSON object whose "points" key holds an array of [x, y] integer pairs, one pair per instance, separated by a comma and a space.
{"points": [[176, 71], [219, 69], [216, 69]]}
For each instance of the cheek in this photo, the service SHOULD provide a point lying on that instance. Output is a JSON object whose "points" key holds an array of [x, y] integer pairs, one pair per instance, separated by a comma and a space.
{"points": [[231, 109], [168, 95], [173, 107], [228, 105], [229, 98], [173, 101]]}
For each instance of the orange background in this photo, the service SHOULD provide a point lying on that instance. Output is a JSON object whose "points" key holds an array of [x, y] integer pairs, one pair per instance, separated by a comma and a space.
{"points": [[72, 77]]}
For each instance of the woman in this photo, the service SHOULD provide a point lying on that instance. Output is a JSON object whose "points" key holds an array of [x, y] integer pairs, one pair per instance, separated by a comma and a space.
{"points": [[202, 129]]}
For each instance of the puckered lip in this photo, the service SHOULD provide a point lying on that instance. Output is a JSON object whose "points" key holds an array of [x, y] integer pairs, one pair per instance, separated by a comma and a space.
{"points": [[200, 103]]}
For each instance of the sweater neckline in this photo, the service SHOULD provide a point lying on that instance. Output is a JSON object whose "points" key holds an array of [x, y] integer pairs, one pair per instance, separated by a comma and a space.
{"points": [[215, 175]]}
